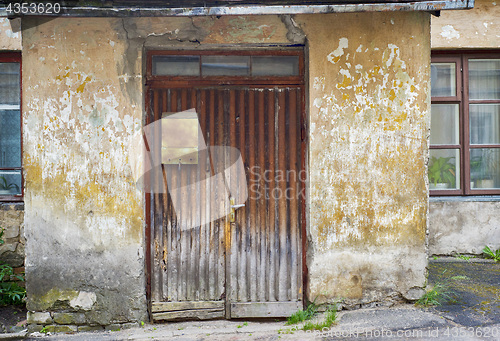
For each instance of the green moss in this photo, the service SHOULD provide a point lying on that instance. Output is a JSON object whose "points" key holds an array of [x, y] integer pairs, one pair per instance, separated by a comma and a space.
{"points": [[53, 299]]}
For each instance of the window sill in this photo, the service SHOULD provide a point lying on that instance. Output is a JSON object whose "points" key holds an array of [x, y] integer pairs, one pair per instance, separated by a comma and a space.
{"points": [[474, 198]]}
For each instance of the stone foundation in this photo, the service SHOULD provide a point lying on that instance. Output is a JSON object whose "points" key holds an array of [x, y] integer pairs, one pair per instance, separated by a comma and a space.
{"points": [[66, 322], [12, 220]]}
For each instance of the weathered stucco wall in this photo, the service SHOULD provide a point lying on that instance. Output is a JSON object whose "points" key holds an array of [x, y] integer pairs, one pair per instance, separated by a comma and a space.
{"points": [[10, 34], [475, 28], [368, 108], [463, 226], [369, 113], [83, 213]]}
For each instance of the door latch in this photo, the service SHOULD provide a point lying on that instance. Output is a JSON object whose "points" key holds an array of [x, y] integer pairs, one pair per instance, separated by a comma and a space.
{"points": [[232, 215]]}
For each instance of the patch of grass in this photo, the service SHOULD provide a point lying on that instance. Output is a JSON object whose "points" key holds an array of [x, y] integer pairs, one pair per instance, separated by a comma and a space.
{"points": [[489, 253], [463, 257], [330, 317], [437, 294], [302, 315], [442, 291]]}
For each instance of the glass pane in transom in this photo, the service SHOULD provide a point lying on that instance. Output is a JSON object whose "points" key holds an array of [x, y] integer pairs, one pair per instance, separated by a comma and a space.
{"points": [[444, 169], [444, 124], [484, 79], [275, 66], [225, 65], [484, 123], [176, 65], [443, 80]]}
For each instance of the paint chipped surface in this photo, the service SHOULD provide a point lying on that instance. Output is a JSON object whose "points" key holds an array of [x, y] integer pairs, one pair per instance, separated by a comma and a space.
{"points": [[475, 28], [368, 148], [448, 32], [334, 57], [10, 37], [83, 212]]}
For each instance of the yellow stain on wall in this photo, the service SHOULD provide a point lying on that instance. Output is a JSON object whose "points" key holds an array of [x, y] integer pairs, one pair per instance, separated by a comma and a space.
{"points": [[392, 95], [345, 83], [82, 86]]}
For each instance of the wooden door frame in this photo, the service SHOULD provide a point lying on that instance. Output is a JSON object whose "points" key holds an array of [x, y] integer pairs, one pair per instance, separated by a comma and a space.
{"points": [[155, 82]]}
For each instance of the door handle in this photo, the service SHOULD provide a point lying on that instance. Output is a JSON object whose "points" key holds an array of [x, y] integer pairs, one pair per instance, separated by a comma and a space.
{"points": [[232, 215]]}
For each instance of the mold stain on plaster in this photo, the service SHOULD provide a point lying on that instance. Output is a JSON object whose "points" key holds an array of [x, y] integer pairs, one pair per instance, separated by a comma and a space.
{"points": [[245, 27], [372, 135]]}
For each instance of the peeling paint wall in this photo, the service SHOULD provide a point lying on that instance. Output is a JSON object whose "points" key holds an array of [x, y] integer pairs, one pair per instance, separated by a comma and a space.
{"points": [[475, 28], [10, 34], [84, 216], [369, 81], [368, 107]]}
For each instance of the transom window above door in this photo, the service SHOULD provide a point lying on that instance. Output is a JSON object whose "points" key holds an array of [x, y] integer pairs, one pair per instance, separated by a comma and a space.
{"points": [[465, 124], [271, 66]]}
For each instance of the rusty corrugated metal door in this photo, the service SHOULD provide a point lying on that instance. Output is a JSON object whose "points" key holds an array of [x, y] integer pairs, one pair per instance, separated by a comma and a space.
{"points": [[251, 267]]}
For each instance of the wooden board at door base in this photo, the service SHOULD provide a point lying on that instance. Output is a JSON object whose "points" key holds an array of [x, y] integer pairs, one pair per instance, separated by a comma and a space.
{"points": [[199, 310], [252, 266], [264, 309]]}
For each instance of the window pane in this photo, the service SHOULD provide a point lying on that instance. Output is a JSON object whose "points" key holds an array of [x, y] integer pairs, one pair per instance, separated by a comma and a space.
{"points": [[10, 182], [484, 79], [10, 138], [9, 84], [444, 124], [484, 123], [275, 66], [485, 168], [225, 65], [443, 171], [176, 65], [443, 80]]}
